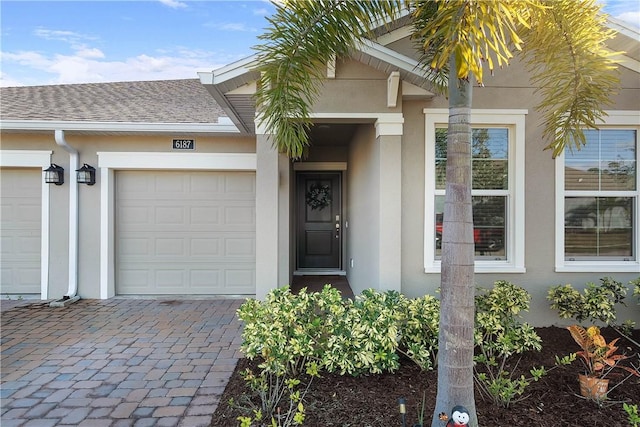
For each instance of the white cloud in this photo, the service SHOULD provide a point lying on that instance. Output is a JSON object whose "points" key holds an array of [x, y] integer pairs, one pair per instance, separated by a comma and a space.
{"points": [[31, 59], [92, 67], [61, 35], [233, 26], [173, 4], [630, 17], [90, 53], [7, 81], [73, 39], [624, 10]]}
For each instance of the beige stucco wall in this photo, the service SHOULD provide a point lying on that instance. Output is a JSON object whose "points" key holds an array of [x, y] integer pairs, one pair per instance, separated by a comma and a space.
{"points": [[357, 88], [362, 211]]}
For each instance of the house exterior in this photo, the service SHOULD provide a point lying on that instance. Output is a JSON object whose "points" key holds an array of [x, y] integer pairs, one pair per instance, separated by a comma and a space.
{"points": [[190, 197]]}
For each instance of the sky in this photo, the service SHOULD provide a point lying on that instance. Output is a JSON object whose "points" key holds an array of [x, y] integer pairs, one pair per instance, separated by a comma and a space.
{"points": [[64, 42]]}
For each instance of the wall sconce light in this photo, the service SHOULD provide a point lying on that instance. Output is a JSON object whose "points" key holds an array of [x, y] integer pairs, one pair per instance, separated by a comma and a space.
{"points": [[54, 174], [86, 175]]}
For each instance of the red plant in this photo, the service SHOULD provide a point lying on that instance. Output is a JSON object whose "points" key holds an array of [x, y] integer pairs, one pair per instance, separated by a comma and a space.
{"points": [[598, 356]]}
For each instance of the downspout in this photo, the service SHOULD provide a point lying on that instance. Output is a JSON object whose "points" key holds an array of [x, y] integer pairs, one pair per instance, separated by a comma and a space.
{"points": [[72, 294]]}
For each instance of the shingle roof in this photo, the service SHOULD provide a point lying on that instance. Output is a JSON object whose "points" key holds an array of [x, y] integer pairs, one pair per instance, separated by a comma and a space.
{"points": [[165, 101]]}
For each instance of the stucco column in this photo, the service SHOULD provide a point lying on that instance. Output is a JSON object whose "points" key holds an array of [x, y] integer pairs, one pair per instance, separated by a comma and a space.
{"points": [[388, 139], [284, 220], [272, 217]]}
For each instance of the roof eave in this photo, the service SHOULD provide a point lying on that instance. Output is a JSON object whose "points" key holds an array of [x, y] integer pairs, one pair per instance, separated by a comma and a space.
{"points": [[208, 81], [125, 127], [223, 80], [623, 27]]}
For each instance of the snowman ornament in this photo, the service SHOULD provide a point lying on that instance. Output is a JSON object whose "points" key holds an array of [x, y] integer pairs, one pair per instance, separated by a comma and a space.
{"points": [[459, 417]]}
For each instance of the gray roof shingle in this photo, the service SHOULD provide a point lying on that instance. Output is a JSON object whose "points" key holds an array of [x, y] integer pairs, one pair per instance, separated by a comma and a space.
{"points": [[164, 101]]}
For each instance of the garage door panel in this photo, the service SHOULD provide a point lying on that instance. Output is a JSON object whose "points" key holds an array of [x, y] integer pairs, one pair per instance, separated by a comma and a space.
{"points": [[21, 213], [234, 244], [137, 280], [169, 183], [20, 230], [167, 279], [206, 247], [239, 279], [133, 215], [239, 215], [242, 186], [128, 247], [169, 215], [206, 185], [205, 215], [240, 247], [192, 232], [203, 279], [170, 247]]}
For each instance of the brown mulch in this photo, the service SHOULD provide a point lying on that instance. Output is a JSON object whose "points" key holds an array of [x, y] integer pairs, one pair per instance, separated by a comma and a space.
{"points": [[372, 400]]}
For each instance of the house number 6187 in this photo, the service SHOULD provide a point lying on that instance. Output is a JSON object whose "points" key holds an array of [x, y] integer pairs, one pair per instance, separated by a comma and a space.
{"points": [[184, 144]]}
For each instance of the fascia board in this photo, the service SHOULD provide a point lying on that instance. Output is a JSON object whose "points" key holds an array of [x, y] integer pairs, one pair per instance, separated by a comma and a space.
{"points": [[381, 22], [623, 28], [392, 57], [38, 125], [231, 71], [369, 47]]}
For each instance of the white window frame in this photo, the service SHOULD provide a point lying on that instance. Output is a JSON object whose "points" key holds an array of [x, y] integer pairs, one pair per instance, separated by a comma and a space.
{"points": [[613, 120], [514, 120]]}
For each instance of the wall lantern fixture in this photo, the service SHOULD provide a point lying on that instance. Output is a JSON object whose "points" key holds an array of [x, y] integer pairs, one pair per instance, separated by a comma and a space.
{"points": [[54, 174], [86, 175]]}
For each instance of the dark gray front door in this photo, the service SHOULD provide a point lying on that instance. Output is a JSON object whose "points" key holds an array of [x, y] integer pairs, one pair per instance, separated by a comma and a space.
{"points": [[319, 217]]}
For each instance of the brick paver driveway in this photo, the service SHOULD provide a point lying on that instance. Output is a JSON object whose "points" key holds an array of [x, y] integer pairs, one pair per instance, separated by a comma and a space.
{"points": [[116, 362]]}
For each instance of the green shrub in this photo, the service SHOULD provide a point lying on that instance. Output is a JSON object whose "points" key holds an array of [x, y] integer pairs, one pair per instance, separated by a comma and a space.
{"points": [[596, 303], [419, 330], [281, 397], [632, 414], [288, 334], [286, 331], [636, 288], [365, 338], [377, 327], [353, 337], [500, 335]]}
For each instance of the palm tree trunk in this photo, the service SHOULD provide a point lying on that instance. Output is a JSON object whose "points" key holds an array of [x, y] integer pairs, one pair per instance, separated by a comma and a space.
{"points": [[455, 351]]}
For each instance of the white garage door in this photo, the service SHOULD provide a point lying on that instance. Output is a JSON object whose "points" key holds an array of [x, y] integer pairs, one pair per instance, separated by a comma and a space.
{"points": [[20, 230], [186, 233]]}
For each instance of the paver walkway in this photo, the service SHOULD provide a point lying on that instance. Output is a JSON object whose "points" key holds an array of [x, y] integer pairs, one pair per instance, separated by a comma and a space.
{"points": [[117, 362]]}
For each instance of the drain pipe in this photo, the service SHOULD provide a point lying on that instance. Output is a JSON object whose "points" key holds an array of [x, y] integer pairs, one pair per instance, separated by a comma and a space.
{"points": [[72, 294]]}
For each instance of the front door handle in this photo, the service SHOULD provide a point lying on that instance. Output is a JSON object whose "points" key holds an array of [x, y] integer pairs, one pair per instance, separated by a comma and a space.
{"points": [[337, 230]]}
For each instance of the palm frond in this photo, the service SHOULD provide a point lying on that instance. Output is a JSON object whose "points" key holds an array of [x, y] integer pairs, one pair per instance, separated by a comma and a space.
{"points": [[572, 69], [477, 33], [302, 37]]}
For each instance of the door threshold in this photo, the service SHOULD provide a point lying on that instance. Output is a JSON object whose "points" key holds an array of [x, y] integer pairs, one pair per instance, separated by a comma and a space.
{"points": [[323, 272]]}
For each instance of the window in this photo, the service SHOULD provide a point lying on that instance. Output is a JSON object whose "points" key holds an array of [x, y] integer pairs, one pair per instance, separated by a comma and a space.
{"points": [[597, 216], [497, 188]]}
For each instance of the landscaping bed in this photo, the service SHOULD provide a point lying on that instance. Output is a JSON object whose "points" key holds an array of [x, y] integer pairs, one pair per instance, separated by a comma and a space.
{"points": [[372, 400]]}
